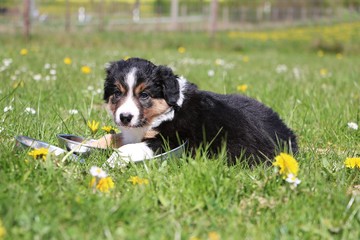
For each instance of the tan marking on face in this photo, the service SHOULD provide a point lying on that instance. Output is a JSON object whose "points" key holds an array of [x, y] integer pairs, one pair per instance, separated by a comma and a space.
{"points": [[139, 88], [114, 106], [159, 106], [120, 87]]}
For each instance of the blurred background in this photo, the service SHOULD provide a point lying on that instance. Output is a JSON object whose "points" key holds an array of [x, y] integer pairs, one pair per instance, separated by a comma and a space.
{"points": [[26, 16]]}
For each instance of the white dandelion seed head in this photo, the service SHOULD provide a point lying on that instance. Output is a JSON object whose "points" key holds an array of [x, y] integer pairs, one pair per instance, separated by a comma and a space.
{"points": [[52, 72], [281, 68], [47, 65], [7, 62], [90, 88], [99, 91], [30, 110], [97, 172], [211, 73], [13, 77], [47, 78], [8, 108], [297, 73], [353, 125], [73, 111], [37, 77]]}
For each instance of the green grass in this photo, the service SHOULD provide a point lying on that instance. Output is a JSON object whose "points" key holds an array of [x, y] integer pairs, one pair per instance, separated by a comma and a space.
{"points": [[189, 196]]}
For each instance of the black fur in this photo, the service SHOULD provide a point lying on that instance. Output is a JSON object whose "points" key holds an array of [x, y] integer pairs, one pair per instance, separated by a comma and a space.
{"points": [[247, 127]]}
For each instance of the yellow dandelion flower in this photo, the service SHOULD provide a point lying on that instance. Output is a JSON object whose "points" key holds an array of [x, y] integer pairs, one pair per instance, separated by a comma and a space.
{"points": [[24, 51], [352, 163], [109, 129], [245, 59], [85, 69], [213, 236], [287, 164], [324, 72], [93, 126], [126, 58], [18, 84], [67, 61], [242, 87], [39, 153], [320, 53], [105, 184], [138, 181], [181, 50], [339, 56], [2, 230]]}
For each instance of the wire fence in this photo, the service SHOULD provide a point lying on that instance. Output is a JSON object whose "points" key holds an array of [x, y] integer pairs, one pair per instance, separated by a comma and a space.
{"points": [[162, 15]]}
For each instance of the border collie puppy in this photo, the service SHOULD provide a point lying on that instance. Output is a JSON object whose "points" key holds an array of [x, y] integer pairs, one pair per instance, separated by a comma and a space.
{"points": [[154, 108]]}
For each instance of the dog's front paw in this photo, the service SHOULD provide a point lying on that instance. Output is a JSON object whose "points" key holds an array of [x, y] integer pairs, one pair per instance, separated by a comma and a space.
{"points": [[129, 152], [116, 160]]}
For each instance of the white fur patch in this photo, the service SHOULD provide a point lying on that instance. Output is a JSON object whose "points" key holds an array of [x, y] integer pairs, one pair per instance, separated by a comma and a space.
{"points": [[129, 106], [131, 152], [167, 116], [130, 79], [182, 83], [132, 135]]}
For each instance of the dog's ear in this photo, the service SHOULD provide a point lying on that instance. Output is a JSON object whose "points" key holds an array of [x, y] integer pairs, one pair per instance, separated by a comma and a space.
{"points": [[170, 84], [110, 67]]}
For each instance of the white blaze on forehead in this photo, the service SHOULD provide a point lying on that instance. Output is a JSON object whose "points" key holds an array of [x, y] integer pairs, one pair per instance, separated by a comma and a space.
{"points": [[129, 106]]}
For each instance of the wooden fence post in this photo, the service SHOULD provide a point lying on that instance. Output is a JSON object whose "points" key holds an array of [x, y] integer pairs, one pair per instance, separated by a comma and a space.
{"points": [[67, 16], [174, 14], [213, 17], [26, 18]]}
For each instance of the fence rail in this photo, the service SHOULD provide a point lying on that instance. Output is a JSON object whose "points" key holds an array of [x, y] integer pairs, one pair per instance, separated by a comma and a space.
{"points": [[160, 15]]}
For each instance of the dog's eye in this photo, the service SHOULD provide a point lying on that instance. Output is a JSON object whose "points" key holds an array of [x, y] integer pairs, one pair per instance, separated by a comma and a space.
{"points": [[144, 96], [118, 94]]}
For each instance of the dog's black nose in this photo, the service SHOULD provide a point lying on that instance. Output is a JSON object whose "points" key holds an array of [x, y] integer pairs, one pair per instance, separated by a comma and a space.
{"points": [[125, 118]]}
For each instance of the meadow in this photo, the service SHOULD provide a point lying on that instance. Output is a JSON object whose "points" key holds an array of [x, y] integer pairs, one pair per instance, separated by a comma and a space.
{"points": [[53, 83]]}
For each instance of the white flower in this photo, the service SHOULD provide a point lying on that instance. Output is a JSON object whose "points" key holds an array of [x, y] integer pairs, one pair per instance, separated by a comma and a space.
{"points": [[37, 77], [211, 73], [281, 68], [8, 108], [297, 72], [97, 172], [291, 178], [30, 110], [73, 111], [7, 62], [13, 77], [99, 91], [47, 65], [353, 125], [90, 88], [53, 71]]}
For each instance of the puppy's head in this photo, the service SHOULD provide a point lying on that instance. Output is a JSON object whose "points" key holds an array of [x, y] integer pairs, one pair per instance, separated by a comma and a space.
{"points": [[138, 92]]}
